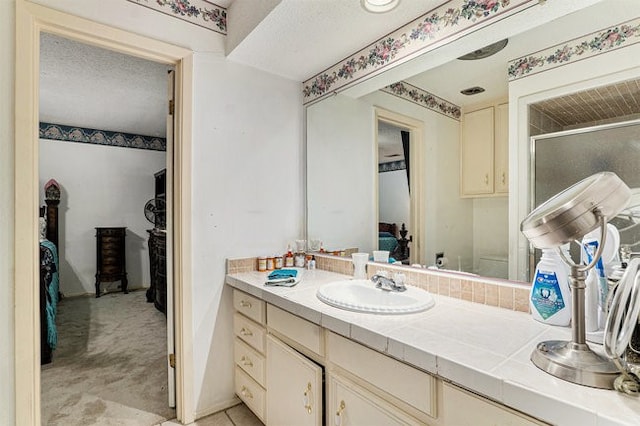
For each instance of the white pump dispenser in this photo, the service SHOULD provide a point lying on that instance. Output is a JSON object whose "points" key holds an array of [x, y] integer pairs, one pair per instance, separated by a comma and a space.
{"points": [[550, 297]]}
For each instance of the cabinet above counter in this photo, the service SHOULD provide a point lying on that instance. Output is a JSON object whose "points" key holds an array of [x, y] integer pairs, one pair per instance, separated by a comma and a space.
{"points": [[481, 348], [484, 151]]}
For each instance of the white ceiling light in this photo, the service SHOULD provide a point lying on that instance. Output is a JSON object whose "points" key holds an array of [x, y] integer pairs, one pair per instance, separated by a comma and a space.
{"points": [[379, 6]]}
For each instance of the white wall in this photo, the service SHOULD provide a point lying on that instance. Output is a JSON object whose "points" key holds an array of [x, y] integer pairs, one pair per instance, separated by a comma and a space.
{"points": [[101, 186], [490, 228], [393, 198], [7, 49], [247, 198], [247, 183]]}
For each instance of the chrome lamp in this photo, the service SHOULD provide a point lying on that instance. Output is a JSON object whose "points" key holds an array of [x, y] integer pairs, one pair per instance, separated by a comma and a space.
{"points": [[566, 217]]}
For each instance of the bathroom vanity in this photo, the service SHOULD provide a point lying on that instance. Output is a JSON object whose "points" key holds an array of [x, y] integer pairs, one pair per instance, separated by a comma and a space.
{"points": [[458, 363]]}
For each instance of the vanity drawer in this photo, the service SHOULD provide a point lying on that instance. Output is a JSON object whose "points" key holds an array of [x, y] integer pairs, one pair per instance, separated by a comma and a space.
{"points": [[250, 306], [249, 331], [249, 360], [416, 388], [251, 393], [295, 328]]}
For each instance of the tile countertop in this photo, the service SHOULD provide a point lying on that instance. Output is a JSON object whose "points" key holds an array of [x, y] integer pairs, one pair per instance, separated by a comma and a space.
{"points": [[482, 348]]}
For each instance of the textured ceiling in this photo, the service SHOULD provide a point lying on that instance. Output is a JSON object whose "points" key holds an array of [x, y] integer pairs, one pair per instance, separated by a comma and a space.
{"points": [[86, 86], [595, 105], [300, 38]]}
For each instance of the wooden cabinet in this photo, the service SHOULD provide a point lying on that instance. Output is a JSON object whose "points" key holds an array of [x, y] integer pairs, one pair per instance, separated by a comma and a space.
{"points": [[501, 149], [463, 408], [157, 292], [351, 405], [294, 387], [249, 352], [484, 151], [410, 394], [282, 361], [111, 259]]}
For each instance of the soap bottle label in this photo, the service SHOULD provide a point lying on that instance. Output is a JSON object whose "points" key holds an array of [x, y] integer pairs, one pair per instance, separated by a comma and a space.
{"points": [[546, 296]]}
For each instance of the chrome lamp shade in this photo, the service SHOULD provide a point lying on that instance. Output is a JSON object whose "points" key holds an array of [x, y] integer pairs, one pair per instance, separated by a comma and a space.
{"points": [[564, 218]]}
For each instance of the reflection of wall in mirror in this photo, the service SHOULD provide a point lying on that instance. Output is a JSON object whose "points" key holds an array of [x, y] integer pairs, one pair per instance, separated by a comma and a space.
{"points": [[337, 214], [340, 167]]}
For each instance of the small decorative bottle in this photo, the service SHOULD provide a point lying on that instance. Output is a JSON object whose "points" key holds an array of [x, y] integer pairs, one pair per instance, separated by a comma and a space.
{"points": [[299, 259], [288, 258]]}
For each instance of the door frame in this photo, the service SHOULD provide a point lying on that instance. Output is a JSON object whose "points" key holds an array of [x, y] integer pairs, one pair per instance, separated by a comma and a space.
{"points": [[415, 127], [31, 20]]}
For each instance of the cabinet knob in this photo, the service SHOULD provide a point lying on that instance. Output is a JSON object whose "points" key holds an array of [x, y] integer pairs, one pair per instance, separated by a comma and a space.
{"points": [[246, 361], [245, 332], [307, 398], [338, 419], [245, 304], [246, 392], [486, 179], [504, 178]]}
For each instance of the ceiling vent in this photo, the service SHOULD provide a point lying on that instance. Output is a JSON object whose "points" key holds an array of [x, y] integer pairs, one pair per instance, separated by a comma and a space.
{"points": [[486, 51], [472, 91]]}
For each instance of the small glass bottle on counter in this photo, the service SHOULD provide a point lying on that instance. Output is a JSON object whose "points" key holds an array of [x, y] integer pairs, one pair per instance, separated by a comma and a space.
{"points": [[277, 262], [270, 263], [288, 258], [299, 260], [311, 263], [262, 263]]}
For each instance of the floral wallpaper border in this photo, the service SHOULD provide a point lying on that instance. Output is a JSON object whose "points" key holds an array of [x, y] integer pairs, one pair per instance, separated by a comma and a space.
{"points": [[423, 98], [606, 40], [392, 166], [450, 20], [61, 132], [199, 12]]}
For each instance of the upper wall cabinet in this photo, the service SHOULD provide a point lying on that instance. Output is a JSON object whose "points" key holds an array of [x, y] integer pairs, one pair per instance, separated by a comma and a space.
{"points": [[485, 151]]}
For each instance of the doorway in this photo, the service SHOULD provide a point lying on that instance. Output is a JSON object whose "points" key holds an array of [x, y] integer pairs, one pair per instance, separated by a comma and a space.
{"points": [[31, 21], [399, 180], [103, 125]]}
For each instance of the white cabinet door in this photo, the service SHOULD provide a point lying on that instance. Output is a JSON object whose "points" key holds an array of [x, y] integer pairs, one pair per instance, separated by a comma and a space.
{"points": [[501, 148], [477, 172], [462, 408], [350, 405], [294, 387]]}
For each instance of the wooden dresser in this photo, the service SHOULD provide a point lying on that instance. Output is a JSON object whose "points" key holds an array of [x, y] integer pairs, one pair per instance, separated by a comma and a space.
{"points": [[157, 293], [111, 259]]}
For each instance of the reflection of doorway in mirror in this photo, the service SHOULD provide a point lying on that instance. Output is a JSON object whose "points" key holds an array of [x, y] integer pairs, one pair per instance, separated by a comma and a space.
{"points": [[398, 186]]}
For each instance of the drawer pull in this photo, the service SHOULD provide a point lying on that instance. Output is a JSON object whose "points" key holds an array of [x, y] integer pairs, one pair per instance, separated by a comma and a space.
{"points": [[338, 420], [307, 398], [245, 332], [486, 179], [245, 304], [246, 393], [246, 361], [504, 178]]}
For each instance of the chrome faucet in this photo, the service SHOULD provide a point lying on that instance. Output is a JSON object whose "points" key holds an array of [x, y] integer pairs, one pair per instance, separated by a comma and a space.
{"points": [[388, 284]]}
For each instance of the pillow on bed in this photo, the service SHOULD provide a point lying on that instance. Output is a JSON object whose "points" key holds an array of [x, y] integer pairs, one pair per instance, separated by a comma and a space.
{"points": [[385, 235]]}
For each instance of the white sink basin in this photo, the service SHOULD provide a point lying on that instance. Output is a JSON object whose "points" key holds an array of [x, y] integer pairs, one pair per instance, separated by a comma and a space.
{"points": [[363, 296]]}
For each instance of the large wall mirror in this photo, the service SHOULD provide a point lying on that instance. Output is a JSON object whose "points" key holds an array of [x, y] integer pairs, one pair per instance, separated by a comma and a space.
{"points": [[478, 233]]}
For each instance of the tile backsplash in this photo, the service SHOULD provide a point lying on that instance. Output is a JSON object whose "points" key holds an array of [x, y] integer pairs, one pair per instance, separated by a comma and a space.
{"points": [[486, 291]]}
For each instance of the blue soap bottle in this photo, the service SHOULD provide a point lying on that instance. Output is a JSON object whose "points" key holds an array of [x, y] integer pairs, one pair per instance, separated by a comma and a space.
{"points": [[550, 297]]}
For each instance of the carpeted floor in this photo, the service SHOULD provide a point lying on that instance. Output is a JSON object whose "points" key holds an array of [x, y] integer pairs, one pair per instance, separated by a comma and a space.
{"points": [[109, 367]]}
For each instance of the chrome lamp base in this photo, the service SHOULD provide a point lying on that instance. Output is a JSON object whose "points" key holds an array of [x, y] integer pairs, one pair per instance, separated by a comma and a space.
{"points": [[575, 362]]}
